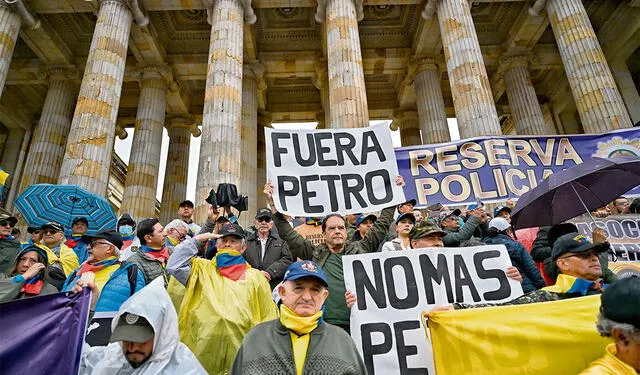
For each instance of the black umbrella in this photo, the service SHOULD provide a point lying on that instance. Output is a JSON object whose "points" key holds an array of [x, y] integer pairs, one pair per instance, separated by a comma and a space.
{"points": [[576, 190]]}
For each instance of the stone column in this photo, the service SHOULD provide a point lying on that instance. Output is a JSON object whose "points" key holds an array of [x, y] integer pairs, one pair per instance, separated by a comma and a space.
{"points": [[221, 130], [347, 94], [264, 121], [19, 169], [12, 151], [597, 98], [549, 120], [472, 98], [180, 129], [50, 135], [321, 82], [407, 121], [90, 145], [139, 195], [9, 28], [522, 97], [249, 144], [430, 102], [627, 87]]}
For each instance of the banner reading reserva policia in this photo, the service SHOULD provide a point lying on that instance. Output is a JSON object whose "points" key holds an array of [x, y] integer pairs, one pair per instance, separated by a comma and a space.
{"points": [[393, 288], [496, 168]]}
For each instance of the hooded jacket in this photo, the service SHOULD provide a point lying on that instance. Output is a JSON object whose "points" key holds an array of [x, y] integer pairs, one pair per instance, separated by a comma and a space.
{"points": [[169, 356]]}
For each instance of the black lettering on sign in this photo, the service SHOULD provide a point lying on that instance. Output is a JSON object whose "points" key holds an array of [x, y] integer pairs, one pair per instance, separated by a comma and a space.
{"points": [[463, 278], [355, 190], [277, 150], [411, 300], [504, 290], [311, 160], [283, 193], [630, 228], [370, 144], [404, 350], [363, 282], [368, 349], [345, 148], [306, 195], [439, 274], [614, 229], [333, 196], [386, 182], [322, 150]]}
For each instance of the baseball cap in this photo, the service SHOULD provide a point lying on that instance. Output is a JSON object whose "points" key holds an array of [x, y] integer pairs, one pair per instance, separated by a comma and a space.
{"points": [[109, 234], [426, 228], [620, 301], [133, 328], [406, 216], [497, 210], [126, 219], [362, 218], [475, 205], [305, 268], [575, 243], [264, 212], [232, 229], [32, 230], [500, 223], [446, 213], [186, 203], [410, 201], [52, 224], [80, 218], [5, 215]]}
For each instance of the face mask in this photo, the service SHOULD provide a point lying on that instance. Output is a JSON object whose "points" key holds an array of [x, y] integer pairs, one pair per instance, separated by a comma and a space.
{"points": [[125, 230]]}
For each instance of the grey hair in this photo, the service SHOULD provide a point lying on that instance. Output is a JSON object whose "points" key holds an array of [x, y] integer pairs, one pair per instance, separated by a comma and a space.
{"points": [[175, 224], [606, 325]]}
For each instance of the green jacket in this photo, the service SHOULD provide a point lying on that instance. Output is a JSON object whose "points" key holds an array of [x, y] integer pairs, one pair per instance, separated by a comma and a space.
{"points": [[9, 250], [454, 238], [10, 291], [266, 349], [305, 250]]}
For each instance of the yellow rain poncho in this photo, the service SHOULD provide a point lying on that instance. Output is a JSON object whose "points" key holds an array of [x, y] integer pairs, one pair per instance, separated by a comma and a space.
{"points": [[68, 259], [216, 312]]}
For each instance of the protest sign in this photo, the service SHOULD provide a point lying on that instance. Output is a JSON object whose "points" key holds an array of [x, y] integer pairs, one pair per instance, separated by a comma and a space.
{"points": [[318, 172], [493, 169], [44, 334], [393, 289], [623, 233], [558, 337]]}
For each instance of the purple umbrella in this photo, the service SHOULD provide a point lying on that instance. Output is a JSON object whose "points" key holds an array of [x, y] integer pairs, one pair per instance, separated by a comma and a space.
{"points": [[576, 190]]}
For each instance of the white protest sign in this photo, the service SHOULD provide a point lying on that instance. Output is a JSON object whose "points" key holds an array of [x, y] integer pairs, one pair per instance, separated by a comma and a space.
{"points": [[318, 172], [394, 288]]}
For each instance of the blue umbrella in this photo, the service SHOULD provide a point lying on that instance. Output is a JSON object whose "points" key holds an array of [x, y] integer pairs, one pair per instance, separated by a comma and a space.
{"points": [[42, 203], [575, 191]]}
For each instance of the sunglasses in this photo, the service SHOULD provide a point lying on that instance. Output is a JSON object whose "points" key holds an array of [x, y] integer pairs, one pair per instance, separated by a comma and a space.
{"points": [[5, 223], [264, 220], [49, 231], [582, 255], [96, 243]]}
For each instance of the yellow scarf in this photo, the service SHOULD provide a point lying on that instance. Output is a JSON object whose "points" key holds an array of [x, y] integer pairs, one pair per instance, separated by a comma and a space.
{"points": [[299, 329]]}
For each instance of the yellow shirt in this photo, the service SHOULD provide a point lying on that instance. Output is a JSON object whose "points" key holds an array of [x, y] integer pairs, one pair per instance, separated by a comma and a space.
{"points": [[609, 364], [300, 345]]}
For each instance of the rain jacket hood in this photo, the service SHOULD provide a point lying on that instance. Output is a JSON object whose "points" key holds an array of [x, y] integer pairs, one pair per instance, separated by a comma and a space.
{"points": [[169, 356]]}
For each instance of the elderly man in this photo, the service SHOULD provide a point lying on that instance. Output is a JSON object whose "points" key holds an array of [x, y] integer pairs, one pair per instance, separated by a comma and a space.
{"points": [[175, 232], [9, 246], [224, 298], [619, 319], [185, 213], [329, 254], [427, 234], [79, 226], [151, 257], [144, 338], [60, 255], [116, 281], [451, 225], [266, 251], [299, 342]]}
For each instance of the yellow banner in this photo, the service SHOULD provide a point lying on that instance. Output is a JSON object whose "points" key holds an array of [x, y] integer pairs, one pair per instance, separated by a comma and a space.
{"points": [[547, 338]]}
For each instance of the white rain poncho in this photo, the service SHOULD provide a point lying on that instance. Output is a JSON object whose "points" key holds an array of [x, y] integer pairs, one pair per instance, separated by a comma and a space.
{"points": [[169, 356]]}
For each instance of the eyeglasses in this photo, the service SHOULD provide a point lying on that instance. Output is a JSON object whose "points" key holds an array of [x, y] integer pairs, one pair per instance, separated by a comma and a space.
{"points": [[27, 260], [96, 243], [264, 220], [582, 255], [5, 223], [49, 231], [181, 236]]}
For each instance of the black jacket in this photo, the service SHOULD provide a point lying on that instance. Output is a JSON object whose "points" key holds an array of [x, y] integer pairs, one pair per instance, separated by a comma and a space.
{"points": [[276, 259]]}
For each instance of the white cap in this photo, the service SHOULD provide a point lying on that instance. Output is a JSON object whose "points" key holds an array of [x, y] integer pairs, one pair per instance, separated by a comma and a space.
{"points": [[500, 223]]}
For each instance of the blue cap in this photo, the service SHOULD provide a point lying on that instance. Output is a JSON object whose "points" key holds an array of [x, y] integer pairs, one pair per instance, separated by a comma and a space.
{"points": [[408, 215], [497, 210], [362, 218], [305, 268]]}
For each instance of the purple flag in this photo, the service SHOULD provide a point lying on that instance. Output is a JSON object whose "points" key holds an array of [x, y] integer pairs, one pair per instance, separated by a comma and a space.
{"points": [[43, 335]]}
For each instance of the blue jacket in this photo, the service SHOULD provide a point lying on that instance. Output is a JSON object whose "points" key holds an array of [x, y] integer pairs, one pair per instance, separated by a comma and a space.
{"points": [[116, 290], [521, 259]]}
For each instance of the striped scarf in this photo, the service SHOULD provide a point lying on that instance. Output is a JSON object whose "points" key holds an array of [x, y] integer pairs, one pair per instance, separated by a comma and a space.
{"points": [[33, 285], [161, 255], [86, 267], [231, 264]]}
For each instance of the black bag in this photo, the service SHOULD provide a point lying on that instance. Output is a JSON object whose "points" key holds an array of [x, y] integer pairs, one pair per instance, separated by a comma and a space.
{"points": [[243, 203], [211, 199], [227, 195]]}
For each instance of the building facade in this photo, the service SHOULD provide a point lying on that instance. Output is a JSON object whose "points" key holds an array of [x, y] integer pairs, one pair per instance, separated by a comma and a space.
{"points": [[75, 74]]}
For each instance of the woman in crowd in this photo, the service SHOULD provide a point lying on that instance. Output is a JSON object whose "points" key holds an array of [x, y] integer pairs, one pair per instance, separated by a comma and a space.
{"points": [[28, 276]]}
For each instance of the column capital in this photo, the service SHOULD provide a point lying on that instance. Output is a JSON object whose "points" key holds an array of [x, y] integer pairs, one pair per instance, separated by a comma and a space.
{"points": [[150, 71], [513, 61], [255, 70], [55, 73], [264, 119], [121, 132], [249, 14], [416, 65], [401, 115], [321, 10], [134, 7], [19, 7], [183, 120]]}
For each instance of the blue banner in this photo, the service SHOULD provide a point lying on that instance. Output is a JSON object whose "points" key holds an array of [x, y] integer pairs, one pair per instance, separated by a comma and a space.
{"points": [[493, 169], [43, 335]]}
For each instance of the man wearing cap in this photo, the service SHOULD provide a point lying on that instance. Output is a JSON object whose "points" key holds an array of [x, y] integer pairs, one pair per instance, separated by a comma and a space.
{"points": [[266, 251], [9, 246], [151, 257], [363, 224], [116, 281], [580, 273], [404, 225], [451, 225], [503, 212], [79, 226], [300, 341], [427, 234], [60, 255], [185, 213], [224, 298], [144, 339], [619, 319], [127, 229]]}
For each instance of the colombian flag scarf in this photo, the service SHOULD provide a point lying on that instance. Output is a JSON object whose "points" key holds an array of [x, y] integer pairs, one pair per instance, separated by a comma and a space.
{"points": [[33, 285], [86, 267], [231, 264], [161, 255]]}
